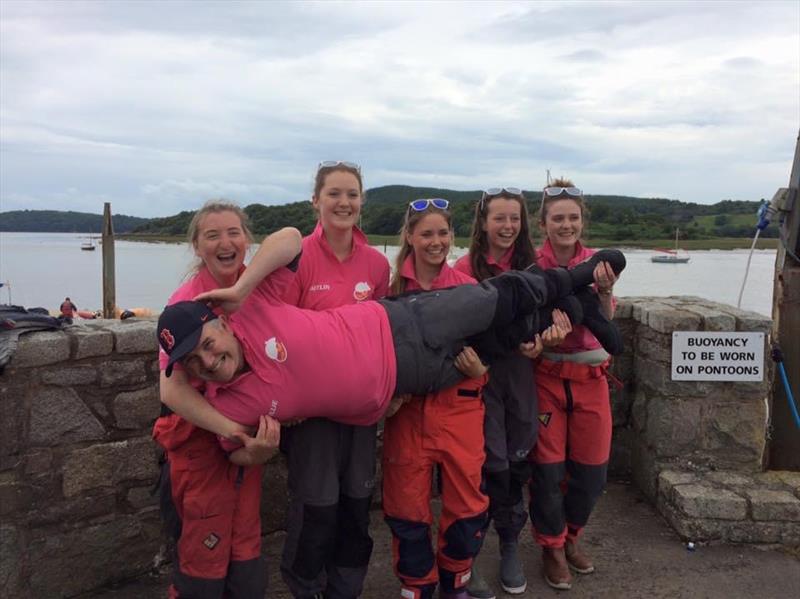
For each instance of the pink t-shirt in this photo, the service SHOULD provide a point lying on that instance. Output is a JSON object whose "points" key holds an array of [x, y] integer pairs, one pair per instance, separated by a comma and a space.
{"points": [[447, 277], [338, 364], [324, 282], [464, 265], [581, 338]]}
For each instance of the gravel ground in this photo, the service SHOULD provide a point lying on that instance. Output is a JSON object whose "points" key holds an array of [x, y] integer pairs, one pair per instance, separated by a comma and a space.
{"points": [[636, 555]]}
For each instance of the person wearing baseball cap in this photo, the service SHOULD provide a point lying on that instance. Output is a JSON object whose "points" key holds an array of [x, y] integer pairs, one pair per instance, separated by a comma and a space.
{"points": [[348, 362]]}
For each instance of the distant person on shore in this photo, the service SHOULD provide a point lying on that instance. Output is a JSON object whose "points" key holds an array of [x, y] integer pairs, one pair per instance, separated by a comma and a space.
{"points": [[332, 465], [501, 242], [68, 310], [571, 456], [211, 501]]}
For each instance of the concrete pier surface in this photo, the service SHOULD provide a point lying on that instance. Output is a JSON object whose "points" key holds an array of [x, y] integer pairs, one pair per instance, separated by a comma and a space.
{"points": [[635, 552]]}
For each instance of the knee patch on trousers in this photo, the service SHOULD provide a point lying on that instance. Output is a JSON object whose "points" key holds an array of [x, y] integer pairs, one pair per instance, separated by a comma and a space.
{"points": [[464, 537], [416, 556], [247, 578], [353, 543], [317, 540]]}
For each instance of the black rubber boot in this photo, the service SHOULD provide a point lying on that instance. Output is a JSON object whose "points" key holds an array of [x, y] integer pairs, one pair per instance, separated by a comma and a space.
{"points": [[583, 273], [601, 327]]}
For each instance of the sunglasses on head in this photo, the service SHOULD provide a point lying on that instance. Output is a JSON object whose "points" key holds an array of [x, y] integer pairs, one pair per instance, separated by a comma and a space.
{"points": [[557, 191], [422, 204], [333, 163], [494, 192]]}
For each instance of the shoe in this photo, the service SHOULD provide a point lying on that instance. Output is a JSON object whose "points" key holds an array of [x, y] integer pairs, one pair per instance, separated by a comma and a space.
{"points": [[583, 274], [577, 559], [477, 587], [556, 570], [512, 578], [601, 327], [454, 595]]}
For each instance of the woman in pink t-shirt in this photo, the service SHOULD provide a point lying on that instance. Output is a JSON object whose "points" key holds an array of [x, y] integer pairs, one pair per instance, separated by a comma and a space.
{"points": [[198, 478], [444, 429], [501, 242], [571, 456], [332, 465]]}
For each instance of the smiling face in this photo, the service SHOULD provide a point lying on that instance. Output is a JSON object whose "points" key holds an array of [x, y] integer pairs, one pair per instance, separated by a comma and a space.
{"points": [[430, 239], [218, 356], [502, 224], [338, 201], [221, 244], [562, 223]]}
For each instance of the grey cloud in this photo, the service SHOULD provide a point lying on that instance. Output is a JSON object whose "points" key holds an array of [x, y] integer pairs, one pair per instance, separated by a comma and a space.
{"points": [[587, 56]]}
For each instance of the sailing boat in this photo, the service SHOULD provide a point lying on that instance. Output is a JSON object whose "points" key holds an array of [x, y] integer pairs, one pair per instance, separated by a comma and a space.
{"points": [[668, 256], [88, 245]]}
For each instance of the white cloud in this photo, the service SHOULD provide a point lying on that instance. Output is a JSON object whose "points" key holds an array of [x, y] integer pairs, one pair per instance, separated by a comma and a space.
{"points": [[159, 106]]}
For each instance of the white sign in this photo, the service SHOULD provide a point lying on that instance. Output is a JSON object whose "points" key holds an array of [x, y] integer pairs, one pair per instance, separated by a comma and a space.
{"points": [[729, 356]]}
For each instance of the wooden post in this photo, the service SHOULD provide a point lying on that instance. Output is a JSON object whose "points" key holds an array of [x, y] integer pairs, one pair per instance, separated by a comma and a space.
{"points": [[784, 447], [109, 282]]}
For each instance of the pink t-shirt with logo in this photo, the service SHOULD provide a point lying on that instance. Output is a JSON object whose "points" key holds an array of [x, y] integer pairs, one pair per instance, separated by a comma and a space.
{"points": [[581, 338], [447, 277], [338, 364], [464, 265], [323, 282]]}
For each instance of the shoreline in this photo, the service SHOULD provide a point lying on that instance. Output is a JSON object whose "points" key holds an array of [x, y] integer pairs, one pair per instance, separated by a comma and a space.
{"points": [[716, 243]]}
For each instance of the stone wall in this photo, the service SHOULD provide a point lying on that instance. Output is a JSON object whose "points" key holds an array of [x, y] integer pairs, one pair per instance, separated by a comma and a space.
{"points": [[77, 464]]}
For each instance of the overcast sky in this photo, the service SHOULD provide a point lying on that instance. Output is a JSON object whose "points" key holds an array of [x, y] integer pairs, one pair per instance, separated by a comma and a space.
{"points": [[158, 106]]}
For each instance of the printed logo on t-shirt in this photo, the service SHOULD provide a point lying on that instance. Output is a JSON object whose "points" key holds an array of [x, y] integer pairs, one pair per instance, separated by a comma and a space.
{"points": [[275, 349], [320, 287], [361, 291]]}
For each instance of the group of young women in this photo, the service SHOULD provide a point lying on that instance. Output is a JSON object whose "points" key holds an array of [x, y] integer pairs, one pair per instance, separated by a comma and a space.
{"points": [[481, 434]]}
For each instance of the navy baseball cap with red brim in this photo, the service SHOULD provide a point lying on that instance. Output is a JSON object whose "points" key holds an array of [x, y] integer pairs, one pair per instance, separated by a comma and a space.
{"points": [[180, 327]]}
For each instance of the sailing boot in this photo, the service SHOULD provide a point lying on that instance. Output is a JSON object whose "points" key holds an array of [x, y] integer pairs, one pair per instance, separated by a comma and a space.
{"points": [[424, 592], [556, 570], [577, 559], [462, 594], [583, 274], [601, 327], [512, 578], [477, 587]]}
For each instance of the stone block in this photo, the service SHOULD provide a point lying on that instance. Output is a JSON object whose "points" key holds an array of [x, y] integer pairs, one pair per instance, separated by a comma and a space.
{"points": [[15, 496], [40, 348], [673, 427], [639, 411], [703, 501], [134, 336], [773, 505], [644, 469], [13, 417], [654, 345], [106, 465], [137, 409], [59, 416], [52, 509], [667, 320], [657, 376], [692, 529], [789, 478], [753, 532], [102, 553], [75, 375], [669, 479], [624, 309], [91, 342], [12, 559], [122, 372], [142, 497], [619, 464], [38, 462], [735, 434], [726, 478], [712, 319]]}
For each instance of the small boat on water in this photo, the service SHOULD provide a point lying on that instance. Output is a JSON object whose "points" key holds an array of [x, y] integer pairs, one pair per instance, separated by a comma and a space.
{"points": [[670, 256], [88, 245]]}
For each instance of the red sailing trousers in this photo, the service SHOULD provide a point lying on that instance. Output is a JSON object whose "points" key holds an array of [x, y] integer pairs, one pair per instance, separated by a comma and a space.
{"points": [[445, 428], [218, 507], [570, 459]]}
